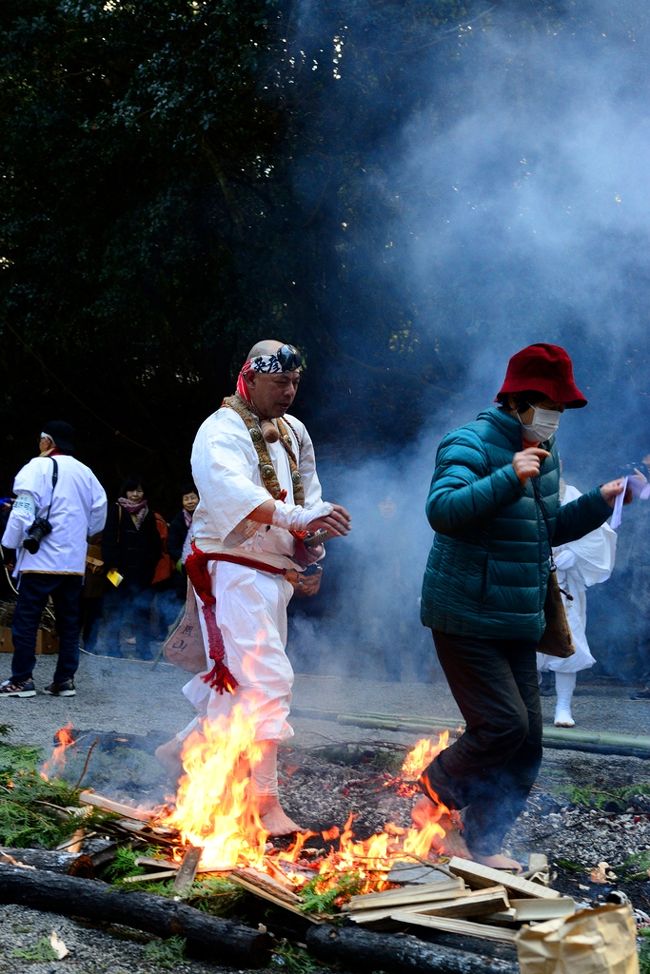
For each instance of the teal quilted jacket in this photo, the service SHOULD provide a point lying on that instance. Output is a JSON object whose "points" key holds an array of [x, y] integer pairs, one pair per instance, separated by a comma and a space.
{"points": [[488, 567]]}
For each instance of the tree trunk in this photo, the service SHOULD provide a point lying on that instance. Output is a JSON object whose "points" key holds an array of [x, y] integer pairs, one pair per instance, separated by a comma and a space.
{"points": [[206, 936], [56, 860], [362, 950]]}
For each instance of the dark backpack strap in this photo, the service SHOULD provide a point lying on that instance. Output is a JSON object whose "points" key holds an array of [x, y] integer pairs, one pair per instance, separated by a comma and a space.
{"points": [[55, 477]]}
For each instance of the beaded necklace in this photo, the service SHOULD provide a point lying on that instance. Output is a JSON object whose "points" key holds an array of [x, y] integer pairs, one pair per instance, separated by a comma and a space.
{"points": [[267, 470]]}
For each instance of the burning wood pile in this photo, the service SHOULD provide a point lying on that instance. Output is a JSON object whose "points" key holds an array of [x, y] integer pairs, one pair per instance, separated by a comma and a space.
{"points": [[341, 894]]}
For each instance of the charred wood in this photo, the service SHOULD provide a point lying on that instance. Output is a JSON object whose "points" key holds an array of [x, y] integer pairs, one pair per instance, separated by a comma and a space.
{"points": [[187, 871], [363, 950], [206, 936], [56, 860]]}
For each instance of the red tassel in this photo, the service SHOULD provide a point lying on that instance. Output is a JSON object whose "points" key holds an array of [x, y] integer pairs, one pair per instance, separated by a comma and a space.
{"points": [[220, 678]]}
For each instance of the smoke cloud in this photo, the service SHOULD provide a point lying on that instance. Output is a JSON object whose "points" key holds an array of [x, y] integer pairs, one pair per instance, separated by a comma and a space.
{"points": [[504, 200]]}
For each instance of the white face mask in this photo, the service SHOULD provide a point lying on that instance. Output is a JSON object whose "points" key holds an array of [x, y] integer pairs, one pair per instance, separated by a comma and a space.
{"points": [[543, 425]]}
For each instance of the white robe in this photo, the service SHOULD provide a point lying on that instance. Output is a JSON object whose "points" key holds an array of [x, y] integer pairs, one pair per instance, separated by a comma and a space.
{"points": [[78, 510], [251, 606], [580, 564]]}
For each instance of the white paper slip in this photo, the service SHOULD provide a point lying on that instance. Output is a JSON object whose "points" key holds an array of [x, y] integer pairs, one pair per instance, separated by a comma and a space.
{"points": [[617, 515]]}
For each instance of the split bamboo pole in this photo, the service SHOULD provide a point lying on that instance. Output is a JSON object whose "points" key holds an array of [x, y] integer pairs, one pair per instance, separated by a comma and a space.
{"points": [[598, 742]]}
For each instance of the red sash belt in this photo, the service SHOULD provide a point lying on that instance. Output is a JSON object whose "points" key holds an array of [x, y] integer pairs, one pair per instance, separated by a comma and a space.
{"points": [[196, 564]]}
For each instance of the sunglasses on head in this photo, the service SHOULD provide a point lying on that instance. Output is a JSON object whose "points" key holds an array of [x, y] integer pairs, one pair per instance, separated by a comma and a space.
{"points": [[289, 358]]}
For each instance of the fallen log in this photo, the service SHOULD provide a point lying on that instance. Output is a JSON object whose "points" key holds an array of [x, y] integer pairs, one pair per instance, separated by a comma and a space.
{"points": [[56, 860], [362, 950], [206, 936]]}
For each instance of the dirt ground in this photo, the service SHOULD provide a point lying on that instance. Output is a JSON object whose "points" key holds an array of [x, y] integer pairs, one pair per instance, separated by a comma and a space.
{"points": [[587, 808]]}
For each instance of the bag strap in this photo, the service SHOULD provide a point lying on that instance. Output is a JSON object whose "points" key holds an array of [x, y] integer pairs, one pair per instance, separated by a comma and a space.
{"points": [[55, 477], [542, 507], [551, 559]]}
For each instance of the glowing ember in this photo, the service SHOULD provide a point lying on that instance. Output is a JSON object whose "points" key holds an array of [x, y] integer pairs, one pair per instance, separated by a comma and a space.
{"points": [[56, 762]]}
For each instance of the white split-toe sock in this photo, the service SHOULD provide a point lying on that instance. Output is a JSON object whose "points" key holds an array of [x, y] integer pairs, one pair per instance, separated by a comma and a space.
{"points": [[564, 687]]}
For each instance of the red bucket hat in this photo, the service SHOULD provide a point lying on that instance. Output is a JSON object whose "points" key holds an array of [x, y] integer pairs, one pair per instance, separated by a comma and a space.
{"points": [[543, 368]]}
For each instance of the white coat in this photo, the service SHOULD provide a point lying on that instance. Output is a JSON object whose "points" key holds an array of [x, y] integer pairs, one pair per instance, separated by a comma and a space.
{"points": [[78, 511]]}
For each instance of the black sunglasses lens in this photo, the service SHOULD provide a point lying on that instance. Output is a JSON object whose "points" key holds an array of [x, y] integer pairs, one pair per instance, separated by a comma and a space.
{"points": [[289, 358]]}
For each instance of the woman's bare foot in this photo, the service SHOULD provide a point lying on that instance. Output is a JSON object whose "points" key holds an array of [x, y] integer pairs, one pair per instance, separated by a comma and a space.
{"points": [[424, 812], [169, 755], [274, 819], [499, 861]]}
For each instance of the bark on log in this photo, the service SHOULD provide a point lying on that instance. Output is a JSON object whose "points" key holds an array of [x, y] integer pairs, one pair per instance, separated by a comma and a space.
{"points": [[363, 950], [222, 941], [56, 860]]}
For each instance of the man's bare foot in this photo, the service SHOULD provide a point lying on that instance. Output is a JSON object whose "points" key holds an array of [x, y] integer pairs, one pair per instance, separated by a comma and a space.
{"points": [[274, 819], [425, 814], [499, 861], [169, 755]]}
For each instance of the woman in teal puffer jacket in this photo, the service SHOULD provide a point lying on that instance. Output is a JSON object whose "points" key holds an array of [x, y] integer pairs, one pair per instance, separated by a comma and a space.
{"points": [[494, 505]]}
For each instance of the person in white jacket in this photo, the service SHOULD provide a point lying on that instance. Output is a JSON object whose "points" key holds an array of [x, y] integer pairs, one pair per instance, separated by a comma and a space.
{"points": [[580, 564], [59, 504]]}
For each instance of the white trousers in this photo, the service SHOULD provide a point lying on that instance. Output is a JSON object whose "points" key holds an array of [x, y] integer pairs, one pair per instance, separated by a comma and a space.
{"points": [[251, 612]]}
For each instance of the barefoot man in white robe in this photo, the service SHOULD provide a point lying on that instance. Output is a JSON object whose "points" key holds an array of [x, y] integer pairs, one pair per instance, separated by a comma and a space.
{"points": [[255, 471]]}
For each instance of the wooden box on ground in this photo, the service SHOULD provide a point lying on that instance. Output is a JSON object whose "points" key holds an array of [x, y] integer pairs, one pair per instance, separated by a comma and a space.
{"points": [[46, 642]]}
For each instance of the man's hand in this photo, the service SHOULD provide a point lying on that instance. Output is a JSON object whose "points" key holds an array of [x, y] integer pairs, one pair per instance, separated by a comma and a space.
{"points": [[337, 524], [527, 462], [311, 555], [308, 585], [610, 491]]}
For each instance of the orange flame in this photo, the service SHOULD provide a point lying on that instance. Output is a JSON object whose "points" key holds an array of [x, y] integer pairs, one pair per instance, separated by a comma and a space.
{"points": [[422, 754], [56, 762], [215, 806], [216, 809]]}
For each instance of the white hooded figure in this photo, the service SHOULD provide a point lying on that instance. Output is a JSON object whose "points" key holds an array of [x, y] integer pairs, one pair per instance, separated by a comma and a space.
{"points": [[580, 564]]}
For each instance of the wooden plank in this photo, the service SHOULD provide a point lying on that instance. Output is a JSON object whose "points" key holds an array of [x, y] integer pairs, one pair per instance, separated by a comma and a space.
{"points": [[185, 875], [407, 873], [129, 825], [260, 881], [529, 909], [365, 917], [156, 863], [477, 875], [476, 903], [254, 882], [505, 918], [453, 925], [150, 877], [418, 893], [119, 808]]}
